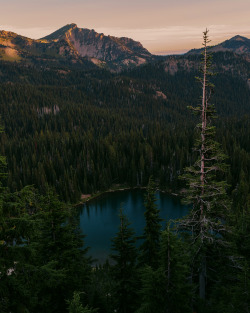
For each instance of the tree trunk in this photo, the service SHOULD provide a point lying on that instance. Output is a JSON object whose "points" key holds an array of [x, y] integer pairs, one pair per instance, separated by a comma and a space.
{"points": [[202, 274], [203, 124]]}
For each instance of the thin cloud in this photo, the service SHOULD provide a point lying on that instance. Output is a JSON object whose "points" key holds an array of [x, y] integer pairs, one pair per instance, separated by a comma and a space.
{"points": [[173, 31], [176, 38]]}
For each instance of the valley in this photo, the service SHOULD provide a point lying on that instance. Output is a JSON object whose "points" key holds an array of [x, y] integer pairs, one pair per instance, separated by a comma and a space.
{"points": [[83, 113]]}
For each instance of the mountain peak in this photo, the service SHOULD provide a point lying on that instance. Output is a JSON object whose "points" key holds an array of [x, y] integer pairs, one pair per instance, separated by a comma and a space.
{"points": [[76, 45], [83, 42], [237, 44], [239, 38], [72, 25], [58, 34]]}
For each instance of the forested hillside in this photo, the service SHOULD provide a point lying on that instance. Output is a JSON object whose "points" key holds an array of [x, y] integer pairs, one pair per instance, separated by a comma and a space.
{"points": [[85, 130]]}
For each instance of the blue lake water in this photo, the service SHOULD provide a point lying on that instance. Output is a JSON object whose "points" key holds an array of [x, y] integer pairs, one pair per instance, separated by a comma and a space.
{"points": [[99, 219]]}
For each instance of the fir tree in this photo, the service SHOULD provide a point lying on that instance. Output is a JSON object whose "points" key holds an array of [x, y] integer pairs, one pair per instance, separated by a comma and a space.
{"points": [[101, 288], [166, 288], [124, 270], [60, 256], [75, 305], [16, 229], [206, 191], [152, 231]]}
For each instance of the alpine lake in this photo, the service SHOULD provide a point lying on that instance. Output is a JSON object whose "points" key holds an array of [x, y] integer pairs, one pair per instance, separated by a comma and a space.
{"points": [[99, 218]]}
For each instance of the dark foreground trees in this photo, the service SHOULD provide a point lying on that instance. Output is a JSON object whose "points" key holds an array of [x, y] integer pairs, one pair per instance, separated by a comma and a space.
{"points": [[152, 230], [41, 251], [166, 287], [124, 270]]}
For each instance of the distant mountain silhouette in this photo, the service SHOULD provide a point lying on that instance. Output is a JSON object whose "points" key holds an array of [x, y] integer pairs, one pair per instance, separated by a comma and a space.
{"points": [[237, 44]]}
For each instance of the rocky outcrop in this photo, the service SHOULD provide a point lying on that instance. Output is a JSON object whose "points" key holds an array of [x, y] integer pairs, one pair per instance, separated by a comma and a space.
{"points": [[173, 64]]}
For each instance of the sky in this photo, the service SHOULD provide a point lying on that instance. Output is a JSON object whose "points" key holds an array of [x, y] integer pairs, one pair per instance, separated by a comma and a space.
{"points": [[162, 26]]}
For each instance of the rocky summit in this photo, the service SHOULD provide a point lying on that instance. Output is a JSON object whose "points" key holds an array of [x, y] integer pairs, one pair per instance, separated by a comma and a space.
{"points": [[75, 45]]}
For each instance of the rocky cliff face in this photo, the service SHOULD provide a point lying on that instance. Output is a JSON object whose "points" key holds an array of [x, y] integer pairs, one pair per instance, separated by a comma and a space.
{"points": [[76, 44], [27, 48], [114, 52], [89, 43]]}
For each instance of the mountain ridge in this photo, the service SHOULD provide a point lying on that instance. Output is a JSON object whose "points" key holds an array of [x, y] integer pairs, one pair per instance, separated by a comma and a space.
{"points": [[77, 45], [237, 44], [89, 43], [84, 47]]}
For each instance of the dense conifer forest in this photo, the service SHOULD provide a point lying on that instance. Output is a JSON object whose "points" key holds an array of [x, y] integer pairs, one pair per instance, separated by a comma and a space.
{"points": [[69, 131], [84, 131]]}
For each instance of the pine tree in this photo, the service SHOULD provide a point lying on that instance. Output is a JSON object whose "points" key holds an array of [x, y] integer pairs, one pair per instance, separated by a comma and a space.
{"points": [[101, 288], [167, 288], [205, 190], [152, 231], [16, 252], [124, 270], [16, 229], [5, 227], [174, 261], [60, 256], [75, 305]]}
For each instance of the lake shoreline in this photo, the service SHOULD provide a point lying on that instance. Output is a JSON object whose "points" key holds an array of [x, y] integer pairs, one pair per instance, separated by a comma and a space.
{"points": [[86, 197]]}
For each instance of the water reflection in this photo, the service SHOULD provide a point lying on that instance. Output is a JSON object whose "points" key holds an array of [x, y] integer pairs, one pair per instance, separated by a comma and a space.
{"points": [[99, 219]]}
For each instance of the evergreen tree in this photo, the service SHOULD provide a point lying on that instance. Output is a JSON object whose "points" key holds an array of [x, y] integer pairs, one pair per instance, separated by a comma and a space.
{"points": [[237, 285], [152, 231], [75, 305], [60, 256], [124, 269], [5, 264], [16, 229], [153, 290], [167, 287], [206, 191], [101, 288], [175, 263]]}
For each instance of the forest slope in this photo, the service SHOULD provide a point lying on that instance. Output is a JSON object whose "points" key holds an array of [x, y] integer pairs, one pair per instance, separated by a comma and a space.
{"points": [[84, 130]]}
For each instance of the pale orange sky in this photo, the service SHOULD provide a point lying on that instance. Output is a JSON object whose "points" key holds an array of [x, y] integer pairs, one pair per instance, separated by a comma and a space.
{"points": [[162, 26]]}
